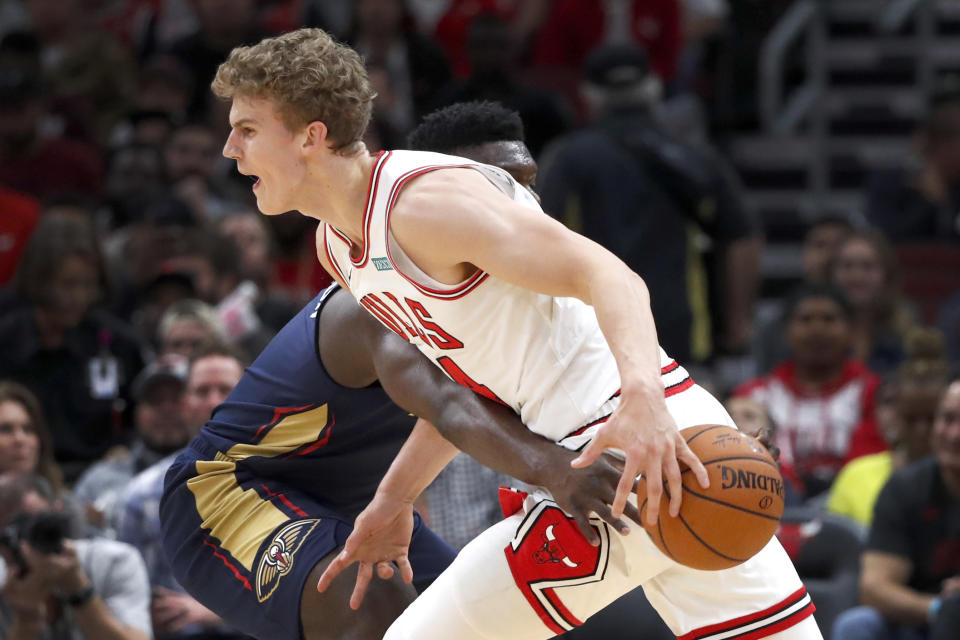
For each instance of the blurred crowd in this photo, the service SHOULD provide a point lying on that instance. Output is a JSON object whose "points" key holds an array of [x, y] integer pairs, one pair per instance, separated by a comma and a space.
{"points": [[137, 277]]}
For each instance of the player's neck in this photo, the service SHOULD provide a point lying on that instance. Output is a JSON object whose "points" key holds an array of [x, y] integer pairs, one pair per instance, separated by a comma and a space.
{"points": [[337, 193]]}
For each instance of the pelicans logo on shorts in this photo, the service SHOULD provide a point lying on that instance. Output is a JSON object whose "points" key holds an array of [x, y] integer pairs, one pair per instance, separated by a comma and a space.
{"points": [[277, 559]]}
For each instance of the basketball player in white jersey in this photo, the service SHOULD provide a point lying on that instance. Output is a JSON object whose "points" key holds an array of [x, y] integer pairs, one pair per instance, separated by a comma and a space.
{"points": [[459, 260]]}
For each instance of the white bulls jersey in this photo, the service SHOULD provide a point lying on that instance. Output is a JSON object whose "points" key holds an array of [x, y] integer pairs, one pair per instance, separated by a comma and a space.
{"points": [[543, 356]]}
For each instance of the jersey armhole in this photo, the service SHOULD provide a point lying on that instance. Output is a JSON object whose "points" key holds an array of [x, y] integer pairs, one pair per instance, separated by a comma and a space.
{"points": [[329, 262]]}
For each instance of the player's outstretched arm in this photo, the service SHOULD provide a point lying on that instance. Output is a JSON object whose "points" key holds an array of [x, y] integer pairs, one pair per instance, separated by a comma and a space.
{"points": [[450, 217]]}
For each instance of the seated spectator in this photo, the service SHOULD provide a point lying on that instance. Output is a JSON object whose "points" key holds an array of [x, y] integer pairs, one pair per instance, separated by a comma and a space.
{"points": [[213, 372], [910, 571], [88, 588], [821, 399], [186, 326], [865, 269], [160, 430], [921, 202], [190, 161], [25, 444], [820, 243], [905, 409], [78, 360], [30, 162]]}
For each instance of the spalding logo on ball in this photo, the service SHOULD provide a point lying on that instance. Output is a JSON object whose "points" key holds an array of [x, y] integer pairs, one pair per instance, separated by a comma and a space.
{"points": [[729, 522]]}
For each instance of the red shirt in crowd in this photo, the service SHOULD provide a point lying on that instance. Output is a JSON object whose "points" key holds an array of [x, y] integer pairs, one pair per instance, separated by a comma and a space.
{"points": [[819, 430], [53, 167], [574, 27], [18, 217]]}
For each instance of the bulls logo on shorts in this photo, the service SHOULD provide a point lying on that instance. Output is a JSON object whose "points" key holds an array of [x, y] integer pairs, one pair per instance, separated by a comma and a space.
{"points": [[277, 559], [549, 552]]}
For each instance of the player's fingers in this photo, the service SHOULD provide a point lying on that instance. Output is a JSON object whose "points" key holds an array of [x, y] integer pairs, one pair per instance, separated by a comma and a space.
{"points": [[364, 574], [332, 571], [632, 512], [625, 487], [590, 453], [604, 513], [671, 471], [654, 476], [384, 570], [584, 524], [406, 571], [690, 458]]}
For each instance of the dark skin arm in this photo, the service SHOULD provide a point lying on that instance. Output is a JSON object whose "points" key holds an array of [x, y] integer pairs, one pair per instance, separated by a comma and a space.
{"points": [[357, 351]]}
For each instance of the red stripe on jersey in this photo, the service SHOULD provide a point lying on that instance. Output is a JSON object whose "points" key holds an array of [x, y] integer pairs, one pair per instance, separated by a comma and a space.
{"points": [[372, 187], [321, 442], [229, 565], [458, 291], [297, 510], [384, 319], [333, 261], [730, 625], [674, 389], [278, 414]]}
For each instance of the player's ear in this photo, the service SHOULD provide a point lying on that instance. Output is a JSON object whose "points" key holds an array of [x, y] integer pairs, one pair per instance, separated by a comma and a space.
{"points": [[315, 137]]}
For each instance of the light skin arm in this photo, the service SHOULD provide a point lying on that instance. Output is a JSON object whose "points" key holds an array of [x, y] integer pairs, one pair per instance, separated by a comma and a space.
{"points": [[883, 585], [449, 221]]}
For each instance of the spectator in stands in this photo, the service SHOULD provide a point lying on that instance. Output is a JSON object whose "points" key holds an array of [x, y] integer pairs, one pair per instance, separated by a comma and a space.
{"points": [[186, 326], [213, 373], [160, 430], [492, 49], [821, 399], [92, 588], [906, 407], [630, 186], [31, 162], [77, 359], [575, 27], [865, 269], [20, 213], [190, 159], [820, 243], [135, 176], [25, 443], [921, 203], [224, 24], [408, 69], [910, 571]]}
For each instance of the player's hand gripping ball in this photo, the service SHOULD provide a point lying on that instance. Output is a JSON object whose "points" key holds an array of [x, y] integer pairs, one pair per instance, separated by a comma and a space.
{"points": [[734, 518]]}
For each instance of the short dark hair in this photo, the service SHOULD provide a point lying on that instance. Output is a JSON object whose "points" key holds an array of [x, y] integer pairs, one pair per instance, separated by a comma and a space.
{"points": [[466, 124], [809, 290], [224, 348]]}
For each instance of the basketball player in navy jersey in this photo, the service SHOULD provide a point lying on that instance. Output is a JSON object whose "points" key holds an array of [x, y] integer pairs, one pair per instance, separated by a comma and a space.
{"points": [[262, 500]]}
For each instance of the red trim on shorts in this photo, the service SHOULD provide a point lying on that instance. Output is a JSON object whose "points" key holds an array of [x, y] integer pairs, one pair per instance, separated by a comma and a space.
{"points": [[286, 501], [674, 389], [382, 158], [704, 633], [229, 565], [673, 366], [551, 595], [458, 291]]}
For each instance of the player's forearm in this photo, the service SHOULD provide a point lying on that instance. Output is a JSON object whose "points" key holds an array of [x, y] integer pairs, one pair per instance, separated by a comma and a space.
{"points": [[494, 436], [897, 602], [621, 301], [422, 457]]}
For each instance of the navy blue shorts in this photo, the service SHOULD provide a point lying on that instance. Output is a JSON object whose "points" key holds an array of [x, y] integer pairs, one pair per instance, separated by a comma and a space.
{"points": [[244, 545]]}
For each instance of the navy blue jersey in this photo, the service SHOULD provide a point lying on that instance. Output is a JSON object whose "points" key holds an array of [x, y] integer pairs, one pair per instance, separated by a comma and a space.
{"points": [[287, 420]]}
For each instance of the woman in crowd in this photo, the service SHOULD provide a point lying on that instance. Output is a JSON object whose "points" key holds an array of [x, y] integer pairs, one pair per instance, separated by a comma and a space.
{"points": [[25, 445]]}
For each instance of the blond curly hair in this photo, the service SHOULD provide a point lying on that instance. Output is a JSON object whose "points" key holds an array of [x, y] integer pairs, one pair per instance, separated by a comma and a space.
{"points": [[308, 76]]}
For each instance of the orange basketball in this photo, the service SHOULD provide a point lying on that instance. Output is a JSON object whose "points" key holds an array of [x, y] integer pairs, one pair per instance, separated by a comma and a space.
{"points": [[727, 523]]}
